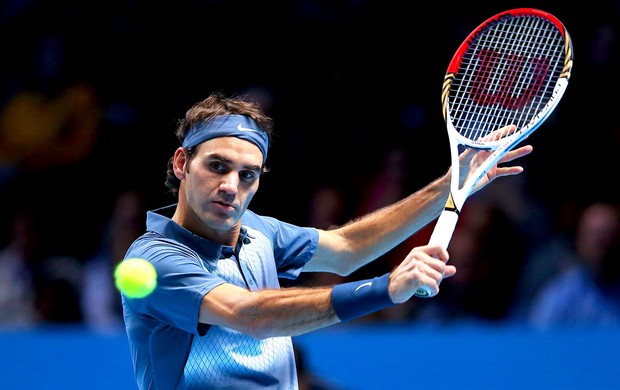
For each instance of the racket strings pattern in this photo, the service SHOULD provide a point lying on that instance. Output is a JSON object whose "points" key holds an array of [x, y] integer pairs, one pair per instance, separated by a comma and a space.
{"points": [[507, 75]]}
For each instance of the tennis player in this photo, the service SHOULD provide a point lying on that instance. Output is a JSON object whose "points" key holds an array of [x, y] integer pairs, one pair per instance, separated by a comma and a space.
{"points": [[218, 317]]}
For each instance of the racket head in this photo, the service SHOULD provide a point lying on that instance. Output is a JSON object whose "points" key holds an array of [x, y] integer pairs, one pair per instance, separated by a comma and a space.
{"points": [[512, 69]]}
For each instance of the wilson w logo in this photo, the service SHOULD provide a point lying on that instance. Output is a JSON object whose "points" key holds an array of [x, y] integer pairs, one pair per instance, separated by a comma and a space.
{"points": [[521, 79]]}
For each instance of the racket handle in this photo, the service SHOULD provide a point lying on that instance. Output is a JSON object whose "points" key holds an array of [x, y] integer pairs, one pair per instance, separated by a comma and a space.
{"points": [[444, 228], [422, 292]]}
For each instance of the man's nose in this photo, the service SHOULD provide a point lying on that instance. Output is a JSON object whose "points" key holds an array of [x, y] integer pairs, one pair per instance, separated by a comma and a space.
{"points": [[230, 183]]}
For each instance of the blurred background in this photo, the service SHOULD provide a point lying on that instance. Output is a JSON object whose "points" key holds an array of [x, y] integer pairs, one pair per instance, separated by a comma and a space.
{"points": [[90, 96]]}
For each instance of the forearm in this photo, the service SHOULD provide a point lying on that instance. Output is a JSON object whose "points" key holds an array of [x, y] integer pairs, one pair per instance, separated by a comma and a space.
{"points": [[269, 313], [380, 231], [357, 243]]}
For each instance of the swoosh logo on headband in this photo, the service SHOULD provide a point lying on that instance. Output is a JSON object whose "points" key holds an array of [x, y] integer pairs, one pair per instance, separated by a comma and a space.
{"points": [[241, 128]]}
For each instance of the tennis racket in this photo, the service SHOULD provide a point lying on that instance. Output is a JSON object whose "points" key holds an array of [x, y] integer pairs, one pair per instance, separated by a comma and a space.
{"points": [[511, 70]]}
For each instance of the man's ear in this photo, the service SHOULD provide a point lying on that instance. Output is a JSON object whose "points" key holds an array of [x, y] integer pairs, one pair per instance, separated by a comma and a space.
{"points": [[178, 163]]}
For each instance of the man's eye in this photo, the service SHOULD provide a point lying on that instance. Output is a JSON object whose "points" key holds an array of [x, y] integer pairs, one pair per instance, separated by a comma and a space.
{"points": [[247, 175], [217, 167]]}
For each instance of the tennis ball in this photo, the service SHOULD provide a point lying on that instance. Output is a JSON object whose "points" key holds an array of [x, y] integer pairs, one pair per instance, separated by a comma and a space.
{"points": [[135, 278]]}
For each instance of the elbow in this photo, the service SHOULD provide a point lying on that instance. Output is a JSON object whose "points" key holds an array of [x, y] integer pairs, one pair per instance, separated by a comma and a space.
{"points": [[341, 265], [257, 329], [249, 320], [342, 271], [344, 267], [258, 333]]}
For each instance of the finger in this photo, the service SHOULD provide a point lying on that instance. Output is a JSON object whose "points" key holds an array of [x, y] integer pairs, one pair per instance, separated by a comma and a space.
{"points": [[468, 155], [432, 271], [432, 252], [499, 133], [508, 171], [449, 271], [517, 153], [429, 283]]}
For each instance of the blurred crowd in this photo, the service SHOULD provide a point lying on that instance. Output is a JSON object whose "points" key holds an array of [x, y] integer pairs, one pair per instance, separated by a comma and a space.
{"points": [[90, 97]]}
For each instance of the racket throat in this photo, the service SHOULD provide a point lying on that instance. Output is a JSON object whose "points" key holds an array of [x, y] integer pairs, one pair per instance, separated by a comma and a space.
{"points": [[450, 205]]}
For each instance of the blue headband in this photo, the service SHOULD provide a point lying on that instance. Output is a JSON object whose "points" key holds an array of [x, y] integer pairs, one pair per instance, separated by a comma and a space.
{"points": [[239, 126]]}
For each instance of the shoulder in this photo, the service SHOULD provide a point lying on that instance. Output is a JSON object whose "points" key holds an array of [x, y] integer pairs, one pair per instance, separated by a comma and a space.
{"points": [[153, 246], [265, 224], [270, 226]]}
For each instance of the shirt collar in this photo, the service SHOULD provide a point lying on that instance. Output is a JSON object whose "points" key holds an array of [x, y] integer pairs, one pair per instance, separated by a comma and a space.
{"points": [[160, 221]]}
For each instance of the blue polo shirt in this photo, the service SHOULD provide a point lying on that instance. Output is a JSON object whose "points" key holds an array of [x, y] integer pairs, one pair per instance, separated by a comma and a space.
{"points": [[169, 348]]}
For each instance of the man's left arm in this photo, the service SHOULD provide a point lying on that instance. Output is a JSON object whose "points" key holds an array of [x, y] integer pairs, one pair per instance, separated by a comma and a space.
{"points": [[345, 249]]}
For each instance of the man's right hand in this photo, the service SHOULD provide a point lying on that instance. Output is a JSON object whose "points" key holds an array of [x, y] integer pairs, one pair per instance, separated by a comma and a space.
{"points": [[424, 266]]}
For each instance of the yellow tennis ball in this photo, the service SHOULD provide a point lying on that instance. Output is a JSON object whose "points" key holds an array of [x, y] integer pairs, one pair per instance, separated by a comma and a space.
{"points": [[135, 278]]}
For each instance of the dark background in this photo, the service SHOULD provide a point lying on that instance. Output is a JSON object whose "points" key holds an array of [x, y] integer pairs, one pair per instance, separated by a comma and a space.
{"points": [[344, 81]]}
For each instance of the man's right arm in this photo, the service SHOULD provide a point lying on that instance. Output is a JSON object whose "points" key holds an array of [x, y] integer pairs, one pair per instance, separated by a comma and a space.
{"points": [[295, 311], [268, 313]]}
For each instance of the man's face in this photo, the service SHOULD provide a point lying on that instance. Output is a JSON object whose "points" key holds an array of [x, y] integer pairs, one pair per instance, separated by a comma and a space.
{"points": [[219, 184]]}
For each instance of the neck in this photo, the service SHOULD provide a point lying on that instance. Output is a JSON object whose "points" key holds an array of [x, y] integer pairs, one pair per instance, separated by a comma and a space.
{"points": [[187, 218]]}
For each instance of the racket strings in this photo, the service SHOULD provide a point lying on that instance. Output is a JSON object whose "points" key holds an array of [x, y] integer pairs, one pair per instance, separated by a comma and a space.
{"points": [[507, 76]]}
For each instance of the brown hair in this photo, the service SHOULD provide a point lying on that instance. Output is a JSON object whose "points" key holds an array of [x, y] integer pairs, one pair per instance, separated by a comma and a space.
{"points": [[214, 105]]}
